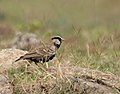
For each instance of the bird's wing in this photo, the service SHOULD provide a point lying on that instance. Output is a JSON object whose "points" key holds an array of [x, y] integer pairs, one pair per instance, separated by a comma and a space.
{"points": [[42, 52], [30, 55]]}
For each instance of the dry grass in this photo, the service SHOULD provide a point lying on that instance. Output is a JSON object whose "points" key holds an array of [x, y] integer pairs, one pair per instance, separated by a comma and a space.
{"points": [[57, 79]]}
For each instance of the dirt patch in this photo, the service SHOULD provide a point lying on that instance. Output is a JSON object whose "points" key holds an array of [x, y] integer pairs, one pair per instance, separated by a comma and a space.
{"points": [[8, 56]]}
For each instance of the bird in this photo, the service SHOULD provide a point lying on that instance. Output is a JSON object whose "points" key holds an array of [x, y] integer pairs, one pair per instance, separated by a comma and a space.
{"points": [[45, 53]]}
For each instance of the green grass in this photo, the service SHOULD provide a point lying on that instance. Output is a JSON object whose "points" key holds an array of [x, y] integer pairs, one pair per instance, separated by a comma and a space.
{"points": [[90, 28]]}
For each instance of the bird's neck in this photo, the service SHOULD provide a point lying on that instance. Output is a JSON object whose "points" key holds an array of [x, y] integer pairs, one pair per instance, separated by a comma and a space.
{"points": [[57, 45], [52, 47]]}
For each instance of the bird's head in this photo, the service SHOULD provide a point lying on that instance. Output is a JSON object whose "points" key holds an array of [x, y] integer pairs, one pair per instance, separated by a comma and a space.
{"points": [[57, 40]]}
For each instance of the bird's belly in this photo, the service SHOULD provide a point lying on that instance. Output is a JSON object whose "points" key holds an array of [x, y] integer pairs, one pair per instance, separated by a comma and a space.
{"points": [[42, 60]]}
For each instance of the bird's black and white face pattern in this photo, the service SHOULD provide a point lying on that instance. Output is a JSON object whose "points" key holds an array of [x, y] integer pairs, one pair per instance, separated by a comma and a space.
{"points": [[57, 40]]}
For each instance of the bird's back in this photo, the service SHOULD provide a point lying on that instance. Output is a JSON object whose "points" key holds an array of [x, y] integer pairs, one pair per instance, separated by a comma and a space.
{"points": [[41, 54]]}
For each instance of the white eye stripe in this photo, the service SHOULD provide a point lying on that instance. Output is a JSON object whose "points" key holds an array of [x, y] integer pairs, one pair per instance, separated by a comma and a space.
{"points": [[56, 41]]}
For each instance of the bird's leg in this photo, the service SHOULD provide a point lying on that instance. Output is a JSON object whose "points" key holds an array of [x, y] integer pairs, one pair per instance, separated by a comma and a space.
{"points": [[46, 62], [46, 65], [36, 63]]}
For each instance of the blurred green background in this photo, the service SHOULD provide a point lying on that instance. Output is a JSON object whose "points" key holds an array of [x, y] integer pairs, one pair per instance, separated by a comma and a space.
{"points": [[84, 13], [89, 18]]}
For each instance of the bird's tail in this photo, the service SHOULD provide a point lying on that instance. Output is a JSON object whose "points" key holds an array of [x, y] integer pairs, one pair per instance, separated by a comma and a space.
{"points": [[19, 59]]}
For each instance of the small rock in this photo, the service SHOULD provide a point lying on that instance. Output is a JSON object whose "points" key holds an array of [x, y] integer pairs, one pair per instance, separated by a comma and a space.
{"points": [[25, 41]]}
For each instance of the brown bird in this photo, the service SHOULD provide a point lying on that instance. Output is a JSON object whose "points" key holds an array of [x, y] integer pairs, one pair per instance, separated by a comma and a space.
{"points": [[45, 53]]}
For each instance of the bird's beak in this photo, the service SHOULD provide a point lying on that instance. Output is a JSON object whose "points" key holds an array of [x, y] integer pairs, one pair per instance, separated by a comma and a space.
{"points": [[62, 39]]}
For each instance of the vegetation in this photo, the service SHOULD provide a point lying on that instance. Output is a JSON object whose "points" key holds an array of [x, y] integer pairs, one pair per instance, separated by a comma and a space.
{"points": [[91, 29]]}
